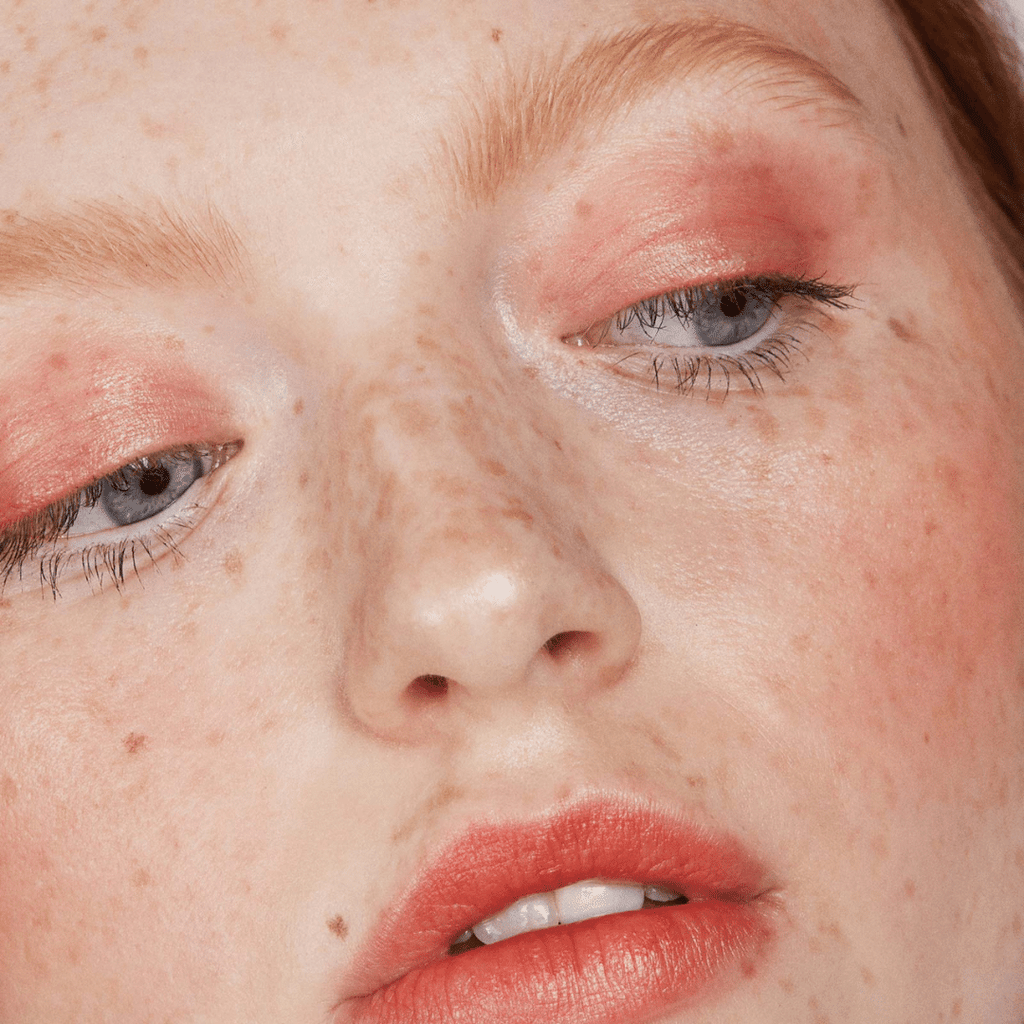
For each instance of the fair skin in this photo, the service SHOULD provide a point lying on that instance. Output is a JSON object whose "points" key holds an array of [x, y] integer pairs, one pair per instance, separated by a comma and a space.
{"points": [[796, 615]]}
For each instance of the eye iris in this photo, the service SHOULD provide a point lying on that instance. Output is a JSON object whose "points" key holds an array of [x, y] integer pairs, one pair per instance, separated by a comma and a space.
{"points": [[746, 314], [148, 491]]}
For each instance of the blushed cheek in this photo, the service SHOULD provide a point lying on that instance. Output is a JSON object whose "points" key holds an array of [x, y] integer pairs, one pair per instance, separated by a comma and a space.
{"points": [[929, 563]]}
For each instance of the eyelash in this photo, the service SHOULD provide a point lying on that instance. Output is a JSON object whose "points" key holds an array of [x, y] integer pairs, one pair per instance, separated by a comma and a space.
{"points": [[23, 541], [773, 353]]}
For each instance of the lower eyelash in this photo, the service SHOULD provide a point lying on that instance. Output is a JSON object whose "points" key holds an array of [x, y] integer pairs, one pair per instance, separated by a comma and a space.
{"points": [[685, 374], [115, 560]]}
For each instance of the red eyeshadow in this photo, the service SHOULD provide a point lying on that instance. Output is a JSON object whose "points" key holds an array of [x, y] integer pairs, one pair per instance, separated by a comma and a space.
{"points": [[75, 417], [644, 230]]}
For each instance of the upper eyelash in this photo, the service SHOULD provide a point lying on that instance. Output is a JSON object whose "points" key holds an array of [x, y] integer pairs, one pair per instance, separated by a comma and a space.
{"points": [[772, 354], [682, 302], [25, 539]]}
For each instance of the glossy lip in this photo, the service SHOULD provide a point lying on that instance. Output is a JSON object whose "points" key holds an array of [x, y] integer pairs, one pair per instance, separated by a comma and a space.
{"points": [[403, 973]]}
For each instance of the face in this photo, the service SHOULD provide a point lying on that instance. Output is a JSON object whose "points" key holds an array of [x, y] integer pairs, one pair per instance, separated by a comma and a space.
{"points": [[444, 540]]}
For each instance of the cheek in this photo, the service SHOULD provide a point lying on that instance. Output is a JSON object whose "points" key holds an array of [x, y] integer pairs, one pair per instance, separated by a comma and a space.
{"points": [[924, 591]]}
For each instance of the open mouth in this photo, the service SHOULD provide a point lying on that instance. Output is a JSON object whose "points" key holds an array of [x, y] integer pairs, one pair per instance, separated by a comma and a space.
{"points": [[579, 902], [630, 911]]}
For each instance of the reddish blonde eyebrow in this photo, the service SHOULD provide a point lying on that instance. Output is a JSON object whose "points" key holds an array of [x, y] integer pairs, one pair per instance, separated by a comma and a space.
{"points": [[97, 246], [524, 115]]}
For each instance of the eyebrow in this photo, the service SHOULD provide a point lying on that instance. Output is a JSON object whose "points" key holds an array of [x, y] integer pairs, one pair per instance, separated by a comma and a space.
{"points": [[102, 245], [526, 114]]}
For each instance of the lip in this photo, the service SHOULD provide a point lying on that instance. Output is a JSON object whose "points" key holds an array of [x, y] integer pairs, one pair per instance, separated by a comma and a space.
{"points": [[617, 968]]}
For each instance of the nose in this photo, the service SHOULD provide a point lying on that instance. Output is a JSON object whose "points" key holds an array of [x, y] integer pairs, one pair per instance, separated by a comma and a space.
{"points": [[480, 594]]}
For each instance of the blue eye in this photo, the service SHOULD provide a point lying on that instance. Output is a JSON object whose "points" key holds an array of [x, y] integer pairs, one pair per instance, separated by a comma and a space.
{"points": [[731, 318], [715, 333], [139, 491]]}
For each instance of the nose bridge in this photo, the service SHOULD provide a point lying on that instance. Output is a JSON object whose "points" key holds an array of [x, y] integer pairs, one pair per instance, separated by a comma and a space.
{"points": [[472, 512], [474, 568]]}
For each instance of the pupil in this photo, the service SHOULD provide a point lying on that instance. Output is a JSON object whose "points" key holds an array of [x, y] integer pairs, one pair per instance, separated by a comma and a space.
{"points": [[734, 304], [154, 480]]}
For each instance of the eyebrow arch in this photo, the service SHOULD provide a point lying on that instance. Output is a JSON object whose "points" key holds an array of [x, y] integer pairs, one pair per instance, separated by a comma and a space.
{"points": [[105, 245], [524, 115]]}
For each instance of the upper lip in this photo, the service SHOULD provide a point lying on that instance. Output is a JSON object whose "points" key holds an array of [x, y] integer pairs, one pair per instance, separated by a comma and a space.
{"points": [[491, 864]]}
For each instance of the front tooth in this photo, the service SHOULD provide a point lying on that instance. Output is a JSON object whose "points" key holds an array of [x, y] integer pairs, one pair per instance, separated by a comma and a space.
{"points": [[525, 915], [595, 898], [659, 894]]}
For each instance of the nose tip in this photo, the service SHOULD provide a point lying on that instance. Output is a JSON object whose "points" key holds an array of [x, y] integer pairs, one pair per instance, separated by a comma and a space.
{"points": [[492, 622]]}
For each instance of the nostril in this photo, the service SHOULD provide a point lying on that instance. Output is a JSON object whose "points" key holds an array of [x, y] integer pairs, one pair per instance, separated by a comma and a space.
{"points": [[571, 643], [429, 686]]}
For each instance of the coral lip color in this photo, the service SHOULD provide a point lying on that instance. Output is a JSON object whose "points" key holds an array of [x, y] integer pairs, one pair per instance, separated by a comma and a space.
{"points": [[618, 968]]}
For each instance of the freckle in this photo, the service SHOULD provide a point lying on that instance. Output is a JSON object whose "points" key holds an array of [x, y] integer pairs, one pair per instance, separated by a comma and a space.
{"points": [[134, 742], [141, 55], [5, 67], [303, 479], [927, 739], [59, 361], [495, 468], [298, 407], [496, 34], [786, 984], [142, 878], [98, 34], [30, 44], [584, 209], [337, 926], [9, 790], [422, 258], [696, 781], [902, 331], [233, 563], [56, 136], [215, 738], [910, 888], [518, 514], [1017, 926], [174, 345], [957, 1009], [279, 31], [868, 976], [152, 129], [41, 84]]}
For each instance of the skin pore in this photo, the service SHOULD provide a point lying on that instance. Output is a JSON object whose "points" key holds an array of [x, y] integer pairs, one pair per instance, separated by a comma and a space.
{"points": [[796, 615]]}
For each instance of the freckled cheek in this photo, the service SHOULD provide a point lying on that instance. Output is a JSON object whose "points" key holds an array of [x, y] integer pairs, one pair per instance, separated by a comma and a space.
{"points": [[928, 627]]}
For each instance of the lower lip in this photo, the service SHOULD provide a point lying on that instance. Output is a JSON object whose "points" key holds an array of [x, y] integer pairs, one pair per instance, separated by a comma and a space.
{"points": [[616, 969]]}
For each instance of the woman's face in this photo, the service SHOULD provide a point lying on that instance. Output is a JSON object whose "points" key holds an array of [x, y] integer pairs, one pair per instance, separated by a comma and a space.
{"points": [[485, 549]]}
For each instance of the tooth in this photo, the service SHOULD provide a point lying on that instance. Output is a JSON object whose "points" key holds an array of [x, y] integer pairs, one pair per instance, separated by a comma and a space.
{"points": [[595, 898], [660, 894], [525, 915], [578, 902]]}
